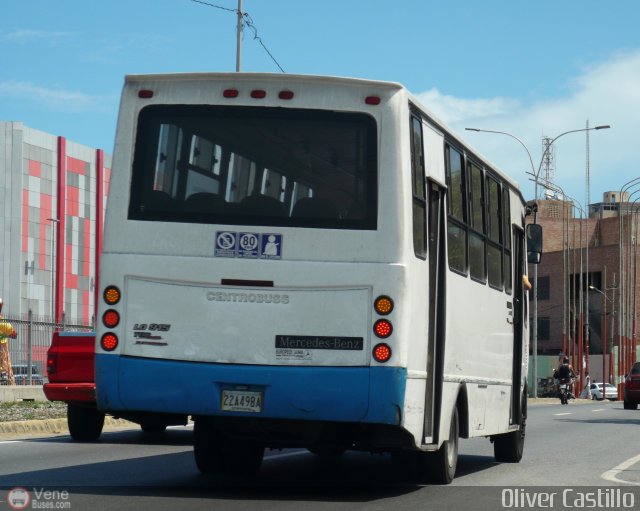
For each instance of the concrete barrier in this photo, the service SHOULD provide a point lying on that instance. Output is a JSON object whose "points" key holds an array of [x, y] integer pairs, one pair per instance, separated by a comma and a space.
{"points": [[21, 393]]}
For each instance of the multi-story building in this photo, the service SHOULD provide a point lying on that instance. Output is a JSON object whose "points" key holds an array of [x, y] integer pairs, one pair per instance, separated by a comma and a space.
{"points": [[52, 198], [587, 285]]}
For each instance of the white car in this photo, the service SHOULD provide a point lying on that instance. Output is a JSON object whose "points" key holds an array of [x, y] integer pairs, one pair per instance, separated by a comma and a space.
{"points": [[611, 391]]}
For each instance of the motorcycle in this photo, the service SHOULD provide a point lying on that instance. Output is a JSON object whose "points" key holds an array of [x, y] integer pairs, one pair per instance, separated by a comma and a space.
{"points": [[564, 390]]}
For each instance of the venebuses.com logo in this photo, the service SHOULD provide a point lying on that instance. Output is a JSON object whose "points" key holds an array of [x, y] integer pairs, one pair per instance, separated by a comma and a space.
{"points": [[38, 498]]}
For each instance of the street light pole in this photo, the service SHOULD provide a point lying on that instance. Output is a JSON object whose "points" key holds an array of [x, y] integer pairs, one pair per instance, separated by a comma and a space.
{"points": [[535, 267], [604, 327], [54, 228]]}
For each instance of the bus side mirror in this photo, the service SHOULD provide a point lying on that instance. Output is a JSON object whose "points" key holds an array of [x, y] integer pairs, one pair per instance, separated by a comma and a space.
{"points": [[534, 243]]}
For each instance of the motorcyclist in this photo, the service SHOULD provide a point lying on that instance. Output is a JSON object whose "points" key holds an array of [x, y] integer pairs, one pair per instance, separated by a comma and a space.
{"points": [[565, 374]]}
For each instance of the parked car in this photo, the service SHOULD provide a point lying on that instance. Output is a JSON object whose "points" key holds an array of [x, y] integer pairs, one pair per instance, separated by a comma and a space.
{"points": [[21, 375], [611, 392], [70, 368], [632, 388]]}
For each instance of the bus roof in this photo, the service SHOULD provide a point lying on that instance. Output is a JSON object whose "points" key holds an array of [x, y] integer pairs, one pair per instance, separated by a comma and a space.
{"points": [[267, 77]]}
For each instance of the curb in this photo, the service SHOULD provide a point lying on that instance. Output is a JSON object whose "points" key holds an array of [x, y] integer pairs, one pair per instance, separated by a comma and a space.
{"points": [[577, 401], [53, 426]]}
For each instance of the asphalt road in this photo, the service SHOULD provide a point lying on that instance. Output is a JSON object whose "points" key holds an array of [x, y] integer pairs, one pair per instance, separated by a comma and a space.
{"points": [[587, 446]]}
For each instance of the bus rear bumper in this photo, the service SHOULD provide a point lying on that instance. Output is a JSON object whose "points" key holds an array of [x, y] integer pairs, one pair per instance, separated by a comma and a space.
{"points": [[343, 394]]}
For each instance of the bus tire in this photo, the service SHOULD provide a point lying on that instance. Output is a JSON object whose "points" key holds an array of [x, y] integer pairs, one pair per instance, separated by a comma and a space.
{"points": [[508, 447], [441, 465], [85, 423], [207, 447], [217, 454]]}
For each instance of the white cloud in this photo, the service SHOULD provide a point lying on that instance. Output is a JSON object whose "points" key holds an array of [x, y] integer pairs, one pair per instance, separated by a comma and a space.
{"points": [[605, 93], [22, 36], [452, 109], [53, 98]]}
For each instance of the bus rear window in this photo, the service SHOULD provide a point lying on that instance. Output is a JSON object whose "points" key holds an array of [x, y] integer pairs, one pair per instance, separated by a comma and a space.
{"points": [[255, 166]]}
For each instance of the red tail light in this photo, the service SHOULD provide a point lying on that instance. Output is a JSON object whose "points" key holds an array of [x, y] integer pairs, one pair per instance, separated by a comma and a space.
{"points": [[111, 318], [258, 94], [372, 100], [230, 93], [145, 94], [382, 328], [382, 352], [52, 364], [286, 94], [109, 341]]}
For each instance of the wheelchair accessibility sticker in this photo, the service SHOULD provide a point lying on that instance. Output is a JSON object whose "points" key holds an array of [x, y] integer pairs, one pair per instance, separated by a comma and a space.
{"points": [[248, 245]]}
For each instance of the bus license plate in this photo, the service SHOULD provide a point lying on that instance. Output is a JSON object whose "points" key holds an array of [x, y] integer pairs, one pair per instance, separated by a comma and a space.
{"points": [[241, 401]]}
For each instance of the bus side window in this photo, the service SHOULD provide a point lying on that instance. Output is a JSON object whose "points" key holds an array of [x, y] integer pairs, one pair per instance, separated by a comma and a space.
{"points": [[506, 242], [456, 226], [494, 233], [419, 203], [477, 243]]}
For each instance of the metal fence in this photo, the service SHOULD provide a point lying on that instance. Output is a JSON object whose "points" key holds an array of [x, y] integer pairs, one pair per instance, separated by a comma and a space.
{"points": [[29, 348]]}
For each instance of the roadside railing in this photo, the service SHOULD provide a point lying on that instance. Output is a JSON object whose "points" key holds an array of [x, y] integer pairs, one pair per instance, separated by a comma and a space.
{"points": [[28, 351]]}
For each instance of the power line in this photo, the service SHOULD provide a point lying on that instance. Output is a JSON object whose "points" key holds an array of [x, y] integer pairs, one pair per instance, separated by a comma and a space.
{"points": [[248, 22], [216, 6]]}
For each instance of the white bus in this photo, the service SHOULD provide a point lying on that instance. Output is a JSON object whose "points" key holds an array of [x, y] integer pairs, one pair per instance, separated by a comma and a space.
{"points": [[315, 262]]}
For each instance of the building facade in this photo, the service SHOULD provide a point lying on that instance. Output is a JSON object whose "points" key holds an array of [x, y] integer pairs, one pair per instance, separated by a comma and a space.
{"points": [[52, 198], [588, 289]]}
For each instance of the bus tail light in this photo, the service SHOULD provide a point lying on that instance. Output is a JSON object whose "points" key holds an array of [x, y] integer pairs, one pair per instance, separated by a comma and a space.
{"points": [[111, 318], [109, 341], [285, 94], [111, 295], [382, 352], [145, 94], [230, 93], [382, 328], [258, 94], [372, 100], [383, 305]]}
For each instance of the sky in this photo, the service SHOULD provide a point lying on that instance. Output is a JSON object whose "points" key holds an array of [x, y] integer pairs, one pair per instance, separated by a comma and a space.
{"points": [[528, 68]]}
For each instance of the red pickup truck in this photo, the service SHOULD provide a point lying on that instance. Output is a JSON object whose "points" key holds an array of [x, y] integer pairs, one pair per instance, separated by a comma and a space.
{"points": [[70, 368]]}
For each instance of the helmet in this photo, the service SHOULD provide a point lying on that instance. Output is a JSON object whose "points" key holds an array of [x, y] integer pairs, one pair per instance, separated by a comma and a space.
{"points": [[565, 360]]}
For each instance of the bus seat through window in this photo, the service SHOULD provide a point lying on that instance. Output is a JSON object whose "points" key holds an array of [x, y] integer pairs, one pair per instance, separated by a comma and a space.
{"points": [[314, 207], [203, 202], [158, 201], [261, 205]]}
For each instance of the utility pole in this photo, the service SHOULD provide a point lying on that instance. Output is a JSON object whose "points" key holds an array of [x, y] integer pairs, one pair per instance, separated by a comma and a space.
{"points": [[586, 205], [239, 38]]}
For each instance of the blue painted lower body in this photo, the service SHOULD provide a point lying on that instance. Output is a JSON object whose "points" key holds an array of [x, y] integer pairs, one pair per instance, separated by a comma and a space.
{"points": [[345, 394]]}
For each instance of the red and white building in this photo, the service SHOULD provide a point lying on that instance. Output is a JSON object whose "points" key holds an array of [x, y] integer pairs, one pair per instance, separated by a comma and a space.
{"points": [[52, 198]]}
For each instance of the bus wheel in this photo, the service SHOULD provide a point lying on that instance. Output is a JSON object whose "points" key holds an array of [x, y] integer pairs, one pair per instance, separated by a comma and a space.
{"points": [[508, 447], [85, 423], [441, 465], [217, 454]]}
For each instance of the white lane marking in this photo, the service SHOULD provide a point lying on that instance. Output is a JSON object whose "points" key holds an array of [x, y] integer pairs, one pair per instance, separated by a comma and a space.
{"points": [[612, 475], [10, 442], [598, 410], [565, 413]]}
